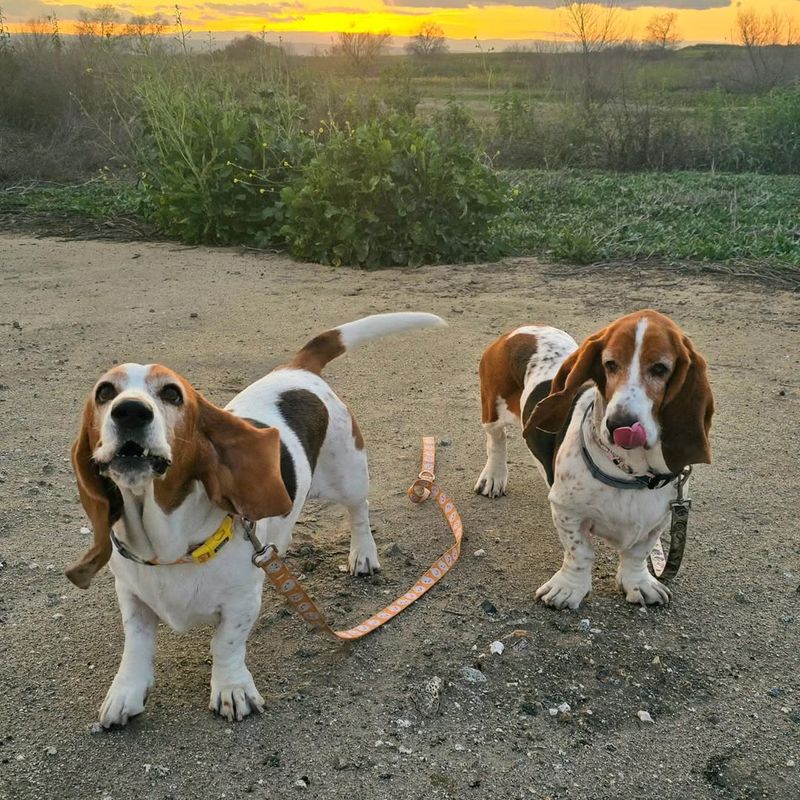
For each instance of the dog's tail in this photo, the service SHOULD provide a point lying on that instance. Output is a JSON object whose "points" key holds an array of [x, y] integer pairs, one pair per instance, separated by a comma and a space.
{"points": [[327, 346]]}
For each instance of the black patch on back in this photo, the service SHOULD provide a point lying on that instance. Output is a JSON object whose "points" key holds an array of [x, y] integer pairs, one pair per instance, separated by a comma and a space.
{"points": [[307, 416], [287, 464], [542, 444]]}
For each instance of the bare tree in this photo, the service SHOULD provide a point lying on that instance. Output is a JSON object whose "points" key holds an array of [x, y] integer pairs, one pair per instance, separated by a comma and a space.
{"points": [[662, 31], [595, 26], [361, 50], [428, 41], [144, 33], [99, 26], [766, 37]]}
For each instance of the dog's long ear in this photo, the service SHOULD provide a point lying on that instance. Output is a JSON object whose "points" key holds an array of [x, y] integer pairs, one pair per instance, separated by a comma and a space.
{"points": [[582, 366], [240, 465], [100, 498], [687, 410]]}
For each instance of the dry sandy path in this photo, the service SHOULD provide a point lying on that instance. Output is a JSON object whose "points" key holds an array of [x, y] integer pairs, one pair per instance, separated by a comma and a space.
{"points": [[718, 670]]}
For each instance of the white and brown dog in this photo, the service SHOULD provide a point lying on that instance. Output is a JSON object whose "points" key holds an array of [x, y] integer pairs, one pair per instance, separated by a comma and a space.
{"points": [[165, 477], [611, 424]]}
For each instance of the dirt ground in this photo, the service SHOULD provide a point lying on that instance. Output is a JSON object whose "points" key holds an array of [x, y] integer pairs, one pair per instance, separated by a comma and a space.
{"points": [[717, 670]]}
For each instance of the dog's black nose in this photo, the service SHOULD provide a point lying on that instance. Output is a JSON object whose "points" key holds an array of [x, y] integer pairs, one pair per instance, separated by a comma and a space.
{"points": [[620, 421], [131, 414]]}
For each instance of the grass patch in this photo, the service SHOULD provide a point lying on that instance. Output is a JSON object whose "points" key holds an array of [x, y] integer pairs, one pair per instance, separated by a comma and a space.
{"points": [[586, 217], [99, 199]]}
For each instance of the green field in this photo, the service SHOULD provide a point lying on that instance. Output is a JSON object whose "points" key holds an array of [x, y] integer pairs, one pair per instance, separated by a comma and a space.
{"points": [[684, 156]]}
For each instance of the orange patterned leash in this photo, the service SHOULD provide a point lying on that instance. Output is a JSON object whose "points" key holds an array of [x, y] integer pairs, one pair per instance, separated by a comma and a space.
{"points": [[289, 586]]}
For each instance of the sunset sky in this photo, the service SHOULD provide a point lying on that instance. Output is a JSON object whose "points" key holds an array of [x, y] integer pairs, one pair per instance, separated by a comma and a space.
{"points": [[306, 21]]}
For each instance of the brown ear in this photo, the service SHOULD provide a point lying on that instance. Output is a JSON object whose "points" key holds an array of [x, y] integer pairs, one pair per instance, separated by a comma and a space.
{"points": [[241, 464], [582, 366], [101, 501], [687, 410]]}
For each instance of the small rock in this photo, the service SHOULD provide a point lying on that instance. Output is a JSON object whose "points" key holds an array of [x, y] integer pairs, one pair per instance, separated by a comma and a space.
{"points": [[193, 315], [644, 717], [472, 675], [95, 728], [775, 691], [15, 325], [553, 712], [300, 783], [564, 708], [427, 697], [406, 751], [496, 648], [489, 607], [50, 751], [393, 549], [585, 624], [479, 553], [403, 723], [741, 598], [445, 441]]}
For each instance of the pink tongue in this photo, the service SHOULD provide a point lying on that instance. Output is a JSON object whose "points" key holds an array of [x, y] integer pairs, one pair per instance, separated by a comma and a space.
{"points": [[629, 438]]}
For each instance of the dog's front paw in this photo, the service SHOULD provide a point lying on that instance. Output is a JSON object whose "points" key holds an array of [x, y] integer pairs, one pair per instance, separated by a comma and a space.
{"points": [[363, 558], [641, 587], [125, 699], [235, 700], [492, 482], [563, 591]]}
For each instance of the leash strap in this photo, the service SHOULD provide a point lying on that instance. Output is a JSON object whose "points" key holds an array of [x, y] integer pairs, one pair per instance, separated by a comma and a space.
{"points": [[287, 585]]}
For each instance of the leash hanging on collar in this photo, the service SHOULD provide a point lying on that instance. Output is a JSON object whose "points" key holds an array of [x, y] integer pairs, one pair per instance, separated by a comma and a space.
{"points": [[286, 584]]}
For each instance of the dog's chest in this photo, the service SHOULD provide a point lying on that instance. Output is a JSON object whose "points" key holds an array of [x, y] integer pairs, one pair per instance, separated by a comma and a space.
{"points": [[187, 596], [621, 516]]}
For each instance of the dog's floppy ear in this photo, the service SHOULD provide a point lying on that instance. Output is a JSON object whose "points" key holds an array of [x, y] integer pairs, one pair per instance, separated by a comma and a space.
{"points": [[687, 410], [581, 366], [100, 498], [240, 465]]}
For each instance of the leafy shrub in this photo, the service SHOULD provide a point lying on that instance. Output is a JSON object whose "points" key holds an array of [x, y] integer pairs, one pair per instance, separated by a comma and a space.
{"points": [[392, 192], [773, 129], [213, 162]]}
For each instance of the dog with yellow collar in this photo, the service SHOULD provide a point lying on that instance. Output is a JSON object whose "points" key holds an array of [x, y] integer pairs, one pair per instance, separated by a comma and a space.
{"points": [[167, 480]]}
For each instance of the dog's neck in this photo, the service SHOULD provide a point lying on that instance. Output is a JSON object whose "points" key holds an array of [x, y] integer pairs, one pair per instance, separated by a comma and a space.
{"points": [[151, 533], [642, 461]]}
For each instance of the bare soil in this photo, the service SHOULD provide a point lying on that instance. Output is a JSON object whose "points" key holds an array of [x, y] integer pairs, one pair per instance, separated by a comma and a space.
{"points": [[717, 670]]}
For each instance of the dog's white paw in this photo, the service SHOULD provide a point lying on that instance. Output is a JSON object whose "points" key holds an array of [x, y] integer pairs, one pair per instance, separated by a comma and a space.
{"points": [[563, 591], [125, 699], [235, 700], [492, 481], [363, 558], [641, 587]]}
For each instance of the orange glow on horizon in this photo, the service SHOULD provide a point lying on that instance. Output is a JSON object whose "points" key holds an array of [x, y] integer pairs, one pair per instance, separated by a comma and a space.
{"points": [[326, 17]]}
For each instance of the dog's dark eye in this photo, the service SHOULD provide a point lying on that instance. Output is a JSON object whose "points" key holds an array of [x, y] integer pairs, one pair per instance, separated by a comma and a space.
{"points": [[659, 370], [104, 392], [171, 394], [611, 367]]}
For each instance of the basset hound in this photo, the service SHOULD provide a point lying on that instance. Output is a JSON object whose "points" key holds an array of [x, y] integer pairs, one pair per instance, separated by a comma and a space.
{"points": [[611, 425], [167, 479]]}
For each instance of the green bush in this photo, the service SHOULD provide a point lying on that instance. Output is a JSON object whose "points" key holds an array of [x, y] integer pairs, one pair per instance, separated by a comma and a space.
{"points": [[774, 132], [213, 160], [392, 192]]}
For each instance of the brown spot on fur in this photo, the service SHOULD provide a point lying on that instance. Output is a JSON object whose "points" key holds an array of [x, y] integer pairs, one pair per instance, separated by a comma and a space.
{"points": [[502, 372], [359, 439], [319, 351]]}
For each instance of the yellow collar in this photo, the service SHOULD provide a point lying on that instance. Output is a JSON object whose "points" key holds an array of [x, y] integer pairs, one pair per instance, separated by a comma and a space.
{"points": [[206, 551]]}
